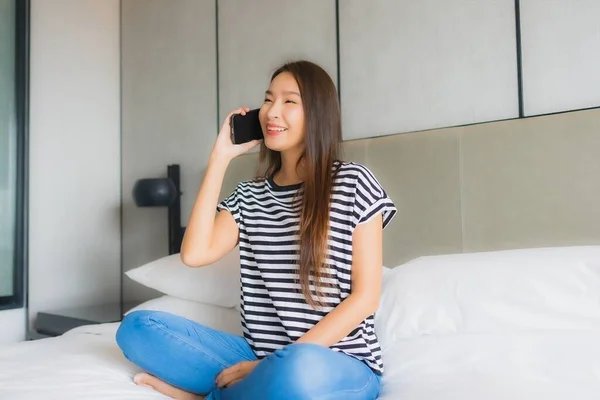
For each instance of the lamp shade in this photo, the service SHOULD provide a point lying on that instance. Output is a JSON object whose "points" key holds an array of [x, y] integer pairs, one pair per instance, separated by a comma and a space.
{"points": [[155, 192]]}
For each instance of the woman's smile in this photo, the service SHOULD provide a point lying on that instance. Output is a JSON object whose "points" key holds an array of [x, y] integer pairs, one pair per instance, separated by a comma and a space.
{"points": [[273, 129]]}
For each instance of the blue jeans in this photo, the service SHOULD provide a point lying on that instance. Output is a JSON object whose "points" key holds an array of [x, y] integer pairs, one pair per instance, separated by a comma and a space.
{"points": [[189, 356]]}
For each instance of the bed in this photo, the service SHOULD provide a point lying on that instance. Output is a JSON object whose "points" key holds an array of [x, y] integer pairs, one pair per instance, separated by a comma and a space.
{"points": [[86, 364], [493, 290], [491, 325]]}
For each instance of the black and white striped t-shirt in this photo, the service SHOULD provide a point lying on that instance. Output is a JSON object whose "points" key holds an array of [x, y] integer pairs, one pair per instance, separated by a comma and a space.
{"points": [[273, 309]]}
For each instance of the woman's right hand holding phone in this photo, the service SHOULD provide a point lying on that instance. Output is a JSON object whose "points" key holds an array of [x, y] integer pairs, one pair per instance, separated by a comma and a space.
{"points": [[224, 150], [207, 238]]}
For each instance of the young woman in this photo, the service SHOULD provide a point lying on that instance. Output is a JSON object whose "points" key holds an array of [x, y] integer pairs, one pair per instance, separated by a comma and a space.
{"points": [[310, 240]]}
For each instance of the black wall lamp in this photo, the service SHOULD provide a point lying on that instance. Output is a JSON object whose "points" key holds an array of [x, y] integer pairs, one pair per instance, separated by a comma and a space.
{"points": [[163, 192]]}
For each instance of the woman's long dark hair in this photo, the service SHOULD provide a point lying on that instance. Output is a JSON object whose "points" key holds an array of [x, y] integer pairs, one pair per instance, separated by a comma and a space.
{"points": [[323, 137]]}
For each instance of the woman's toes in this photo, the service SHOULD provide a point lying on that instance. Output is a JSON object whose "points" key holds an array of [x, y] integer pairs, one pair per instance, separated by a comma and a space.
{"points": [[147, 380], [143, 379]]}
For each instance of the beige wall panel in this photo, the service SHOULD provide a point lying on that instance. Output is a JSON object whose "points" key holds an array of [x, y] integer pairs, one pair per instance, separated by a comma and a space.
{"points": [[532, 182], [420, 172]]}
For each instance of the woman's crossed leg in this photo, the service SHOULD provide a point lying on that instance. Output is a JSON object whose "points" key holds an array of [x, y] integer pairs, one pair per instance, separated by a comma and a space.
{"points": [[184, 358]]}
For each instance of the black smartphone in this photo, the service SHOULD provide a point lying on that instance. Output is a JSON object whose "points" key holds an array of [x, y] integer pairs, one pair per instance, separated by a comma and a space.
{"points": [[245, 128]]}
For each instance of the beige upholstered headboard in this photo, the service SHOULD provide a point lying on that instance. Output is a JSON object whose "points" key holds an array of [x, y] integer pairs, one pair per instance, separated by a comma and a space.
{"points": [[512, 184]]}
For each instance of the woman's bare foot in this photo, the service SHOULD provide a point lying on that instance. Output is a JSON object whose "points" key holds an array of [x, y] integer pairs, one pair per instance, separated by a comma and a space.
{"points": [[144, 379]]}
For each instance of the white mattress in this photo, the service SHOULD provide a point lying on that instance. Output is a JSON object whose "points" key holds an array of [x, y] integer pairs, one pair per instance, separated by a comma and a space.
{"points": [[85, 363]]}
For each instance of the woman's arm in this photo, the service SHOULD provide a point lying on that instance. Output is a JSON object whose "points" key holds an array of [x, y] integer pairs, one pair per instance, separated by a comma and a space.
{"points": [[208, 238], [367, 266]]}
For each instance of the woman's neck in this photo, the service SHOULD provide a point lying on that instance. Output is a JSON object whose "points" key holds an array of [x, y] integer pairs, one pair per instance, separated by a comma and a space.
{"points": [[290, 172]]}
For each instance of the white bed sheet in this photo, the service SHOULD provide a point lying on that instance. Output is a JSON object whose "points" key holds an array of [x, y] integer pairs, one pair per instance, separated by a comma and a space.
{"points": [[531, 365], [85, 363]]}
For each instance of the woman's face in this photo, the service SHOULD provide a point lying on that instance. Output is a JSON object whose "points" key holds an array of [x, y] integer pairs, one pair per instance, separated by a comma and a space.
{"points": [[282, 116]]}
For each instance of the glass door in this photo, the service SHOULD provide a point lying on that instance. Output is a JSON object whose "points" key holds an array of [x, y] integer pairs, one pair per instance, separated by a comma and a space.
{"points": [[12, 204]]}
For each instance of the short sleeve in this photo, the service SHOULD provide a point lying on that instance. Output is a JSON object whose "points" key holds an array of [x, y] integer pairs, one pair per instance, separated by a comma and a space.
{"points": [[370, 199], [232, 204]]}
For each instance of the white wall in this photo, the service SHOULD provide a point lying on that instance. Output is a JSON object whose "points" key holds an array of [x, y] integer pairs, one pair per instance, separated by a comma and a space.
{"points": [[74, 231], [13, 326], [561, 55], [414, 65], [250, 51]]}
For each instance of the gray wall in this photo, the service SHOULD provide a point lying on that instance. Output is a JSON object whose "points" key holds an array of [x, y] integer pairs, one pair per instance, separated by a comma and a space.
{"points": [[169, 91], [255, 37], [403, 66]]}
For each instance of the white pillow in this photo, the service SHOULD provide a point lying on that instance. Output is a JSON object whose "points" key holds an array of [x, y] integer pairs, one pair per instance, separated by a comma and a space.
{"points": [[217, 284], [216, 317], [513, 290]]}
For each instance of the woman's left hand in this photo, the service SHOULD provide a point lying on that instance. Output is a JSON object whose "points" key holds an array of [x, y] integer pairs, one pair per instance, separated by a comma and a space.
{"points": [[235, 373]]}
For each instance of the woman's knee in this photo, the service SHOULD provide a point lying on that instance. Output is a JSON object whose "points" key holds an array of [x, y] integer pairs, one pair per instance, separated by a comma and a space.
{"points": [[300, 367], [306, 371], [132, 335]]}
